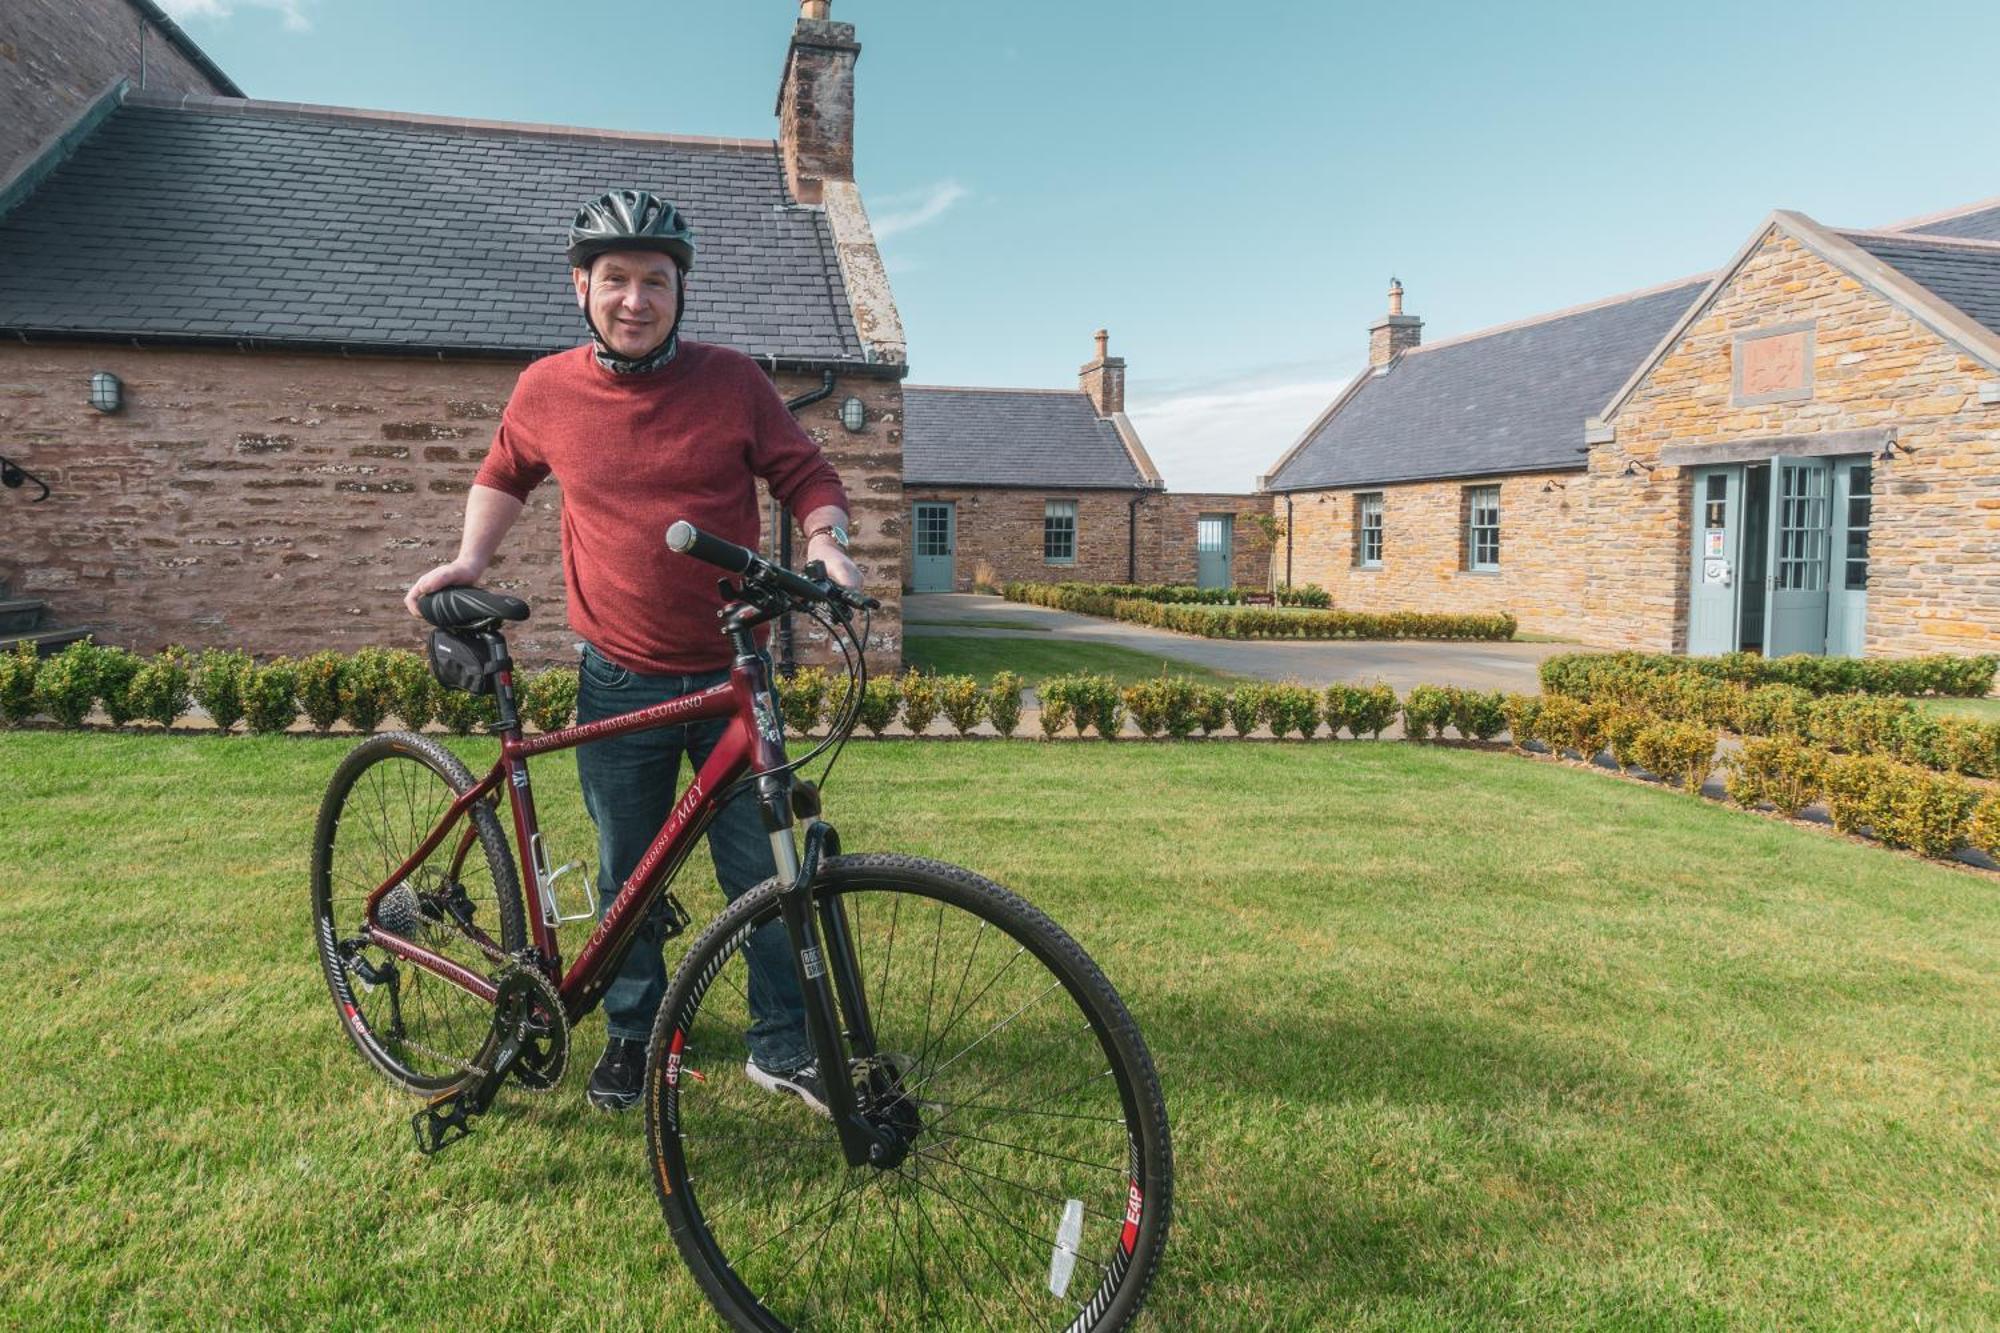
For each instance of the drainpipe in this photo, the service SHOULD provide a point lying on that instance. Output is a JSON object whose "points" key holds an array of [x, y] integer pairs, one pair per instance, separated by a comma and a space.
{"points": [[1288, 541], [1132, 538], [788, 661]]}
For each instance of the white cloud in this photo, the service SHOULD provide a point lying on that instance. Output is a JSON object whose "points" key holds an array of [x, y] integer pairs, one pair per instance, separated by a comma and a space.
{"points": [[292, 11], [915, 208], [1223, 436]]}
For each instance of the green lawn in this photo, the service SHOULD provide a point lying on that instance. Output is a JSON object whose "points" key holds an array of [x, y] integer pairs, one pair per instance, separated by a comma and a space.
{"points": [[1038, 659], [1451, 1039], [1984, 710], [947, 626]]}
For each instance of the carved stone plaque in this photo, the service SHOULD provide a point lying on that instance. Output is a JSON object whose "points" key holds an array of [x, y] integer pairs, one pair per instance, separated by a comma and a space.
{"points": [[1774, 366]]}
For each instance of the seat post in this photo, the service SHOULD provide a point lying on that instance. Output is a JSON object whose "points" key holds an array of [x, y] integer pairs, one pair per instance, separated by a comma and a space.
{"points": [[503, 682]]}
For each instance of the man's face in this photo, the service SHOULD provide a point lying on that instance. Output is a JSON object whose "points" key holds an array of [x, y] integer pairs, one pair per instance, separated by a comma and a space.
{"points": [[632, 297]]}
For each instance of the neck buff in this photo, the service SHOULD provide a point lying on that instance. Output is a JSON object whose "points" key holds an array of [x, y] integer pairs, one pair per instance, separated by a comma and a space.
{"points": [[653, 360]]}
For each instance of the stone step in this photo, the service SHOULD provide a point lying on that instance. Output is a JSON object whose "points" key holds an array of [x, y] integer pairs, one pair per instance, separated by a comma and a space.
{"points": [[46, 641], [20, 615]]}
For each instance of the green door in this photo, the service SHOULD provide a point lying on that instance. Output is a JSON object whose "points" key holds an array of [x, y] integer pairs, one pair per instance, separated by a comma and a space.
{"points": [[1795, 611], [1717, 557], [934, 532], [1847, 597], [1213, 549]]}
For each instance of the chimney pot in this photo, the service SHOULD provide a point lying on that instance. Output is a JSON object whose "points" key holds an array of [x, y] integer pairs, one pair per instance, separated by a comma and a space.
{"points": [[814, 9], [1103, 344], [1395, 296], [1395, 333], [1103, 380]]}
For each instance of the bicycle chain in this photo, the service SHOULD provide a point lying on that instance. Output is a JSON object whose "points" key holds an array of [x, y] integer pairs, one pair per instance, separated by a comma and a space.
{"points": [[551, 1003]]}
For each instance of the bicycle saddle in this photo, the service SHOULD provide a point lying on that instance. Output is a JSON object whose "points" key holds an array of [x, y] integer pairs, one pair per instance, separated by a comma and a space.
{"points": [[464, 607]]}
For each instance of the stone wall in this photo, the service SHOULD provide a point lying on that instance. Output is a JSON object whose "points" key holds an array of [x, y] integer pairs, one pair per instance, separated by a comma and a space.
{"points": [[1167, 538], [282, 503], [1545, 549], [1934, 579], [55, 55], [1002, 527]]}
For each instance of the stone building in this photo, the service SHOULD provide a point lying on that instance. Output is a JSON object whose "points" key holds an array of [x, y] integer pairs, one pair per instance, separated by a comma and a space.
{"points": [[1055, 485], [314, 316], [1797, 453]]}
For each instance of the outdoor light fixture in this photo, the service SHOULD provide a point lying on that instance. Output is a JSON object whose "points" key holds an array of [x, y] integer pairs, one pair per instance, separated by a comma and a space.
{"points": [[107, 391], [1634, 468], [1548, 486], [853, 414], [1891, 451]]}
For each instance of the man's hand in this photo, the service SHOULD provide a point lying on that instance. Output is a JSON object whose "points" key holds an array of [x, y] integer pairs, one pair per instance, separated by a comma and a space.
{"points": [[444, 576], [838, 567]]}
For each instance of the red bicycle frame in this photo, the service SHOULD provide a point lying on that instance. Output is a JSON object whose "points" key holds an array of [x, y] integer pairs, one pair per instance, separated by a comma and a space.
{"points": [[754, 743]]}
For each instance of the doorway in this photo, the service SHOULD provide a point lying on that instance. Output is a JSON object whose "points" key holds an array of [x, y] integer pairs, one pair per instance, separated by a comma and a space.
{"points": [[934, 542], [1214, 550]]}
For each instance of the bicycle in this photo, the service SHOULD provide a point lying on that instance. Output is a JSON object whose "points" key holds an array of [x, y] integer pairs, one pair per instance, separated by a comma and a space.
{"points": [[996, 1150]]}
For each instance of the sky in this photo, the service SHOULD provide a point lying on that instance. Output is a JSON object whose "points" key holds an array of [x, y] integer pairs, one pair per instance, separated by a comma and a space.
{"points": [[1228, 189]]}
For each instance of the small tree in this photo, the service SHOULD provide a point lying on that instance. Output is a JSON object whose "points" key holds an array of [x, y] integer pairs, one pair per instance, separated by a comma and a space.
{"points": [[219, 680]]}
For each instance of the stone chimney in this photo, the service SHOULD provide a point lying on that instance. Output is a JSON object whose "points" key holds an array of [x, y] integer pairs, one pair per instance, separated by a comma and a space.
{"points": [[1103, 379], [816, 103], [1396, 333]]}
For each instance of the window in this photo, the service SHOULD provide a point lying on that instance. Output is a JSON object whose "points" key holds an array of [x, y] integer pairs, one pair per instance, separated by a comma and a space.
{"points": [[1368, 530], [1059, 532], [1482, 527], [1860, 510]]}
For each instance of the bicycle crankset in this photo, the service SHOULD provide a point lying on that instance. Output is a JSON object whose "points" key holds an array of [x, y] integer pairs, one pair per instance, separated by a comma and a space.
{"points": [[521, 1010]]}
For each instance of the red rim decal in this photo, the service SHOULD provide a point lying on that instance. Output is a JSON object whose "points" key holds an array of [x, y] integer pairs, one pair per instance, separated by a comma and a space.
{"points": [[1134, 1202]]}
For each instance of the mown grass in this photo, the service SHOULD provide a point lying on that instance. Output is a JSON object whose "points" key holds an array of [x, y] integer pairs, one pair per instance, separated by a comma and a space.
{"points": [[1983, 710], [1451, 1040], [1037, 659]]}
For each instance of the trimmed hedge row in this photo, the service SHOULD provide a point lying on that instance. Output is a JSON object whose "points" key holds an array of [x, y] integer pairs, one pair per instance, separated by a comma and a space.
{"points": [[1589, 675], [1309, 595], [1219, 622], [1902, 805]]}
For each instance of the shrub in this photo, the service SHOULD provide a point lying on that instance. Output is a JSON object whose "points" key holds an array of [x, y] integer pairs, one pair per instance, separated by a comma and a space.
{"points": [[1200, 611], [1211, 708], [1859, 788], [1780, 770], [1477, 714], [802, 698], [1002, 702], [961, 701], [460, 712], [920, 701], [1371, 708], [1146, 700], [17, 684], [1982, 830], [879, 702], [415, 688], [366, 690], [1928, 813], [1292, 707], [115, 669], [1962, 745], [1774, 710], [549, 698], [1523, 713], [1622, 726], [1589, 674], [159, 690], [269, 699], [1309, 595], [1183, 710], [66, 685], [1101, 704], [1165, 703], [318, 687], [219, 679], [1680, 752], [1564, 723], [1858, 724], [1058, 704], [1246, 707], [1426, 713]]}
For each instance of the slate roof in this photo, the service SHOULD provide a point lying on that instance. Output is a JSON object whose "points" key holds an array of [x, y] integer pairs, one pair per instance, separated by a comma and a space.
{"points": [[1513, 400], [1012, 437], [1976, 224], [206, 218], [1964, 275]]}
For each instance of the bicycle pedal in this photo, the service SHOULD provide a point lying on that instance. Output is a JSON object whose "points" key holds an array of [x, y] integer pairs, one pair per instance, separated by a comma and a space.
{"points": [[441, 1124]]}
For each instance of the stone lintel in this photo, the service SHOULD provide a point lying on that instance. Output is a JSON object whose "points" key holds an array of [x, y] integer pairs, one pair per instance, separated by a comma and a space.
{"points": [[1825, 444]]}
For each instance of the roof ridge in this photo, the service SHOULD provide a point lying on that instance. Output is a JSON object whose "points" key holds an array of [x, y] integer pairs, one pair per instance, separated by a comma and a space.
{"points": [[1564, 313], [1947, 215], [995, 388], [186, 45], [249, 107], [1919, 238]]}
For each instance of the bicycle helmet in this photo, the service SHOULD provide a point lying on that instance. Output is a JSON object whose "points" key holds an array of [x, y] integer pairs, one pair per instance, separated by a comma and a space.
{"points": [[630, 220]]}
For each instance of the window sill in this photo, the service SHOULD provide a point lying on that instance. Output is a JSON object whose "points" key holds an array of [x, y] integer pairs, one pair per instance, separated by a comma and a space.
{"points": [[1482, 573]]}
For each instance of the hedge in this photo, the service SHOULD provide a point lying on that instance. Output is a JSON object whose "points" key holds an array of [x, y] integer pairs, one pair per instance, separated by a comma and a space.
{"points": [[1221, 622], [1590, 674], [1309, 595]]}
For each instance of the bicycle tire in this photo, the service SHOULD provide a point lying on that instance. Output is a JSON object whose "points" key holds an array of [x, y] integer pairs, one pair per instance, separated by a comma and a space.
{"points": [[979, 1204], [419, 1031]]}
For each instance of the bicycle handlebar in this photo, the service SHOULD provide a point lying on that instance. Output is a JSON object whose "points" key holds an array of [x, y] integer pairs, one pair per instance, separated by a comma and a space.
{"points": [[686, 539]]}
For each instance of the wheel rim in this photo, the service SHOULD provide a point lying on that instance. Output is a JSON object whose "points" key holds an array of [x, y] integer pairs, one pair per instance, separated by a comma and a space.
{"points": [[1024, 1130], [422, 1030]]}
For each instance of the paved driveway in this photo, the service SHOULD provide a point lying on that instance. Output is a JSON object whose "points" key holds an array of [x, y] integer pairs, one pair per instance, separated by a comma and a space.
{"points": [[1402, 663]]}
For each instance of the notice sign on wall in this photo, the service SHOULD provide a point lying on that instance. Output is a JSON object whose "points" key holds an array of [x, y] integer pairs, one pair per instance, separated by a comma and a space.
{"points": [[1715, 543]]}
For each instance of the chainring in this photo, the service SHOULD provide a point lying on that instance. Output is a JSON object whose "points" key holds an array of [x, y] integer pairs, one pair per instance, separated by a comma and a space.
{"points": [[544, 1050]]}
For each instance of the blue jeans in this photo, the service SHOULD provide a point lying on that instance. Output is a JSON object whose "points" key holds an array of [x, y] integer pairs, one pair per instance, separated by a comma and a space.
{"points": [[629, 785]]}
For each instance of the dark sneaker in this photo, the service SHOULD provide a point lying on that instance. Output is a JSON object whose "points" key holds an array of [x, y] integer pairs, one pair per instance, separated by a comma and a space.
{"points": [[802, 1083], [620, 1076]]}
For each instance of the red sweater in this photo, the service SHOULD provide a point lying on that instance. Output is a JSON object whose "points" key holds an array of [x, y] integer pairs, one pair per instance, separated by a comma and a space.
{"points": [[632, 454]]}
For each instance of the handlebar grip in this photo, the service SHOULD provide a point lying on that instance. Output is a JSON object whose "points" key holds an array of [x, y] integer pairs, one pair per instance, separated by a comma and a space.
{"points": [[687, 539]]}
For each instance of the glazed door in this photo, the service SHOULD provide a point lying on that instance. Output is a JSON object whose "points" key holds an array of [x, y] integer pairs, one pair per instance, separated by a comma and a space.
{"points": [[1717, 556], [933, 543], [1847, 596], [1801, 505], [1213, 534]]}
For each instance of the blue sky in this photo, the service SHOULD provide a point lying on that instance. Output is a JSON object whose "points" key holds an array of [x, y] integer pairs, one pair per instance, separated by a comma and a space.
{"points": [[1229, 188]]}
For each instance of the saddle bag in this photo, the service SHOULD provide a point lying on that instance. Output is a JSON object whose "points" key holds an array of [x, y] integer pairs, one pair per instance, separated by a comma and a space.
{"points": [[463, 661]]}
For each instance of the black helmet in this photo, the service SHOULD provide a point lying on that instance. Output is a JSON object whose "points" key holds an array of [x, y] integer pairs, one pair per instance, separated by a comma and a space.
{"points": [[630, 220]]}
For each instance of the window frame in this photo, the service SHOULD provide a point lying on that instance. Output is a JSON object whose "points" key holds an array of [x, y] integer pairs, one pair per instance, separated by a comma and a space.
{"points": [[1051, 513], [1473, 530], [1363, 511]]}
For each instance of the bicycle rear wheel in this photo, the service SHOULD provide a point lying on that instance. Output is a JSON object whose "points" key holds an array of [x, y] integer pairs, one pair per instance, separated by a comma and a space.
{"points": [[463, 902], [1037, 1189]]}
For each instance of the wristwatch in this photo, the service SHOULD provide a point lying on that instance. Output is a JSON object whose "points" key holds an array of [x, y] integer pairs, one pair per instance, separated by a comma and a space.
{"points": [[834, 530]]}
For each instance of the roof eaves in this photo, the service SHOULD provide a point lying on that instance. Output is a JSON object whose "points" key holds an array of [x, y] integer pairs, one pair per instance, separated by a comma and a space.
{"points": [[35, 166], [1128, 435], [1418, 479], [186, 45], [1264, 483]]}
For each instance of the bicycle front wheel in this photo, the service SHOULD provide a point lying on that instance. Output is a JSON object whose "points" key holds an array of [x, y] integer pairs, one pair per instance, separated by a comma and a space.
{"points": [[1037, 1188]]}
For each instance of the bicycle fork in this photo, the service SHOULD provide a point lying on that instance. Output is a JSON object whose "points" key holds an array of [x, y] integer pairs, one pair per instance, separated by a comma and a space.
{"points": [[830, 983]]}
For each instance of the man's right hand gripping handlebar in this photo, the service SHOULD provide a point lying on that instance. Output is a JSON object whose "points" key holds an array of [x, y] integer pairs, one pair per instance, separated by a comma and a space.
{"points": [[687, 539]]}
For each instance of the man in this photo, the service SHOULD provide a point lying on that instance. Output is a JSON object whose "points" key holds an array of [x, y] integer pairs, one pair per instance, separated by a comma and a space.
{"points": [[641, 428]]}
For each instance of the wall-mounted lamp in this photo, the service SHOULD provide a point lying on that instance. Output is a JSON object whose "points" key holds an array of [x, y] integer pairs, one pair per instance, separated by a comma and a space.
{"points": [[107, 391], [1634, 468], [1548, 486], [1891, 451], [853, 414]]}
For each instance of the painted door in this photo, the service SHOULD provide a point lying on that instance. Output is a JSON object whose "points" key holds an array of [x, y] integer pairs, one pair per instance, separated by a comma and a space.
{"points": [[1801, 502], [935, 528], [1717, 556], [1214, 549], [1847, 595]]}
